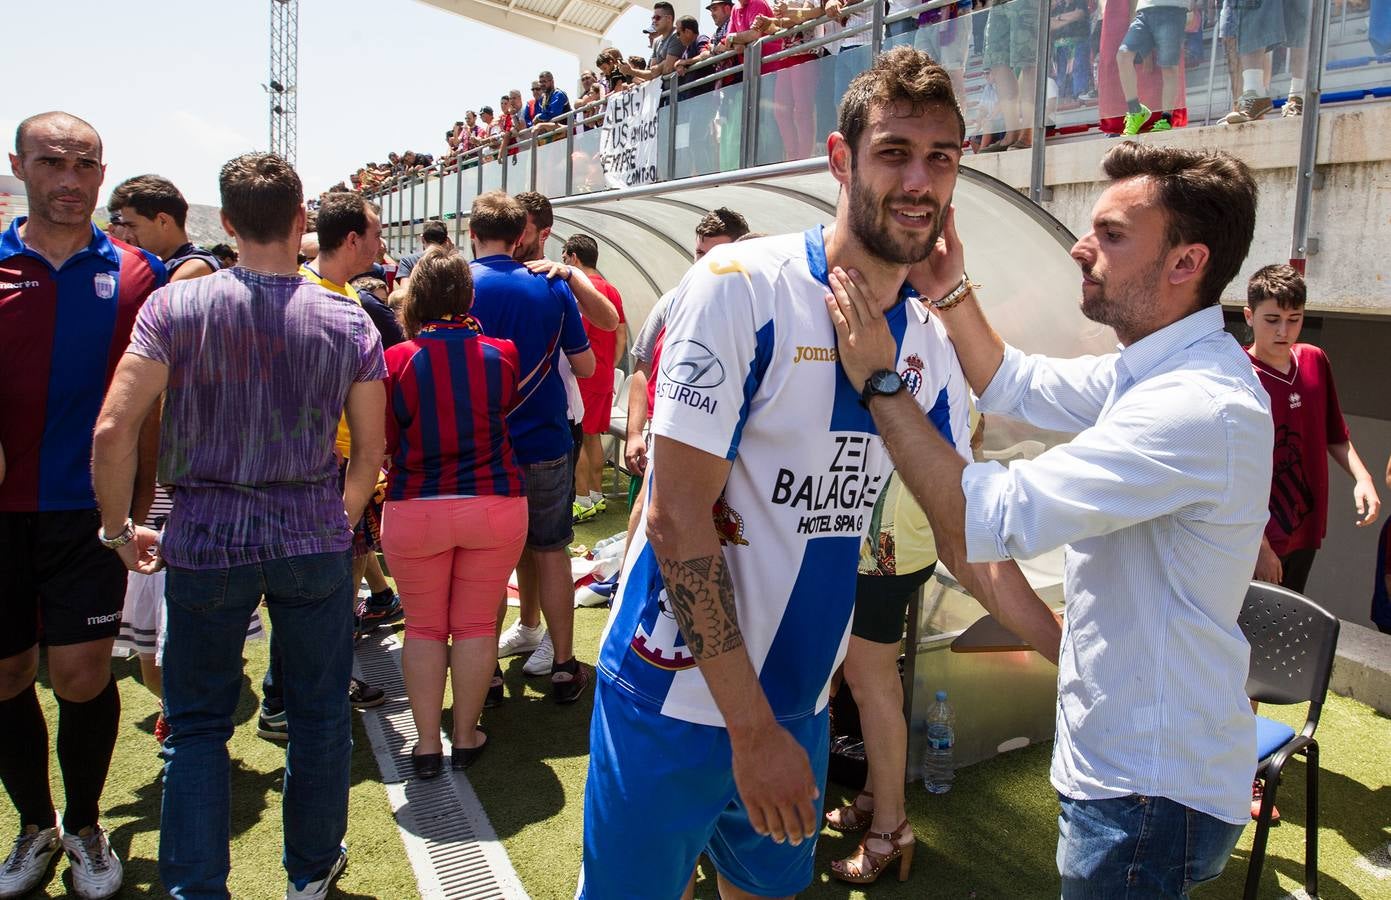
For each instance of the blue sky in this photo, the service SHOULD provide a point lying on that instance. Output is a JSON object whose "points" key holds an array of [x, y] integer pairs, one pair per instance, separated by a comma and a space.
{"points": [[175, 87]]}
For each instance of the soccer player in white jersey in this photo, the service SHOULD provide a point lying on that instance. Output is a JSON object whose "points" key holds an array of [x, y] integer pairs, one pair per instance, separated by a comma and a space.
{"points": [[709, 732]]}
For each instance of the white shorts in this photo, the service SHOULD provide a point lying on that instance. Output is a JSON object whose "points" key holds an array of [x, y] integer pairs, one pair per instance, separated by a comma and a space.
{"points": [[142, 619]]}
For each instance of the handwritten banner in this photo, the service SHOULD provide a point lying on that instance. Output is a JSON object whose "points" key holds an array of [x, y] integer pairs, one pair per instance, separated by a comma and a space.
{"points": [[628, 146]]}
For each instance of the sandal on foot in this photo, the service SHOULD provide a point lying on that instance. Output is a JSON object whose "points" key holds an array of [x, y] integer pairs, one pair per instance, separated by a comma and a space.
{"points": [[851, 868], [852, 816]]}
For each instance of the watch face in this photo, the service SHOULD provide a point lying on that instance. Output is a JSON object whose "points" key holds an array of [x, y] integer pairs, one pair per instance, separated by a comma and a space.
{"points": [[886, 382]]}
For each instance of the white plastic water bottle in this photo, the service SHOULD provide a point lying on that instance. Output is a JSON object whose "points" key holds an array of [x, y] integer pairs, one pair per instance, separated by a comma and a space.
{"points": [[938, 769]]}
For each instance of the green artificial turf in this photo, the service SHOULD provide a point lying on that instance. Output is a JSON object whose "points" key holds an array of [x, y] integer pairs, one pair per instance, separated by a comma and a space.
{"points": [[377, 865]]}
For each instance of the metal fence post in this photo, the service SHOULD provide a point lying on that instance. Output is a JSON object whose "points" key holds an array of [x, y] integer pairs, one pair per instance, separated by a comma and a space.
{"points": [[671, 131], [570, 128], [753, 70], [1037, 191], [458, 202], [535, 157], [1301, 245], [876, 31]]}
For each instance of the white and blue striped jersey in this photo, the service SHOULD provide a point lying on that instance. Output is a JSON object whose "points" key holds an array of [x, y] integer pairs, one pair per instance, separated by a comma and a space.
{"points": [[749, 372]]}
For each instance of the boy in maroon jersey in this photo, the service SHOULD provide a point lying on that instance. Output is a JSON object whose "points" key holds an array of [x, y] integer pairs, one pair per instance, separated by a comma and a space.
{"points": [[1308, 425]]}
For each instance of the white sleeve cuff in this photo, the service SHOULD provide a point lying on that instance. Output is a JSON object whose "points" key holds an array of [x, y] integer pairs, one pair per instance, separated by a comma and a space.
{"points": [[984, 485], [1006, 389]]}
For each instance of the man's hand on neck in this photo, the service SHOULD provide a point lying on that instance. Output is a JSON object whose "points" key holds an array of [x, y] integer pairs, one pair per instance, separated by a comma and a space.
{"points": [[882, 281]]}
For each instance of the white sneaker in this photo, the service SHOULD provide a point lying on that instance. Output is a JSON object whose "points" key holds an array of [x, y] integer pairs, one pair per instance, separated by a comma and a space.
{"points": [[519, 639], [96, 870], [541, 658], [320, 887], [29, 861]]}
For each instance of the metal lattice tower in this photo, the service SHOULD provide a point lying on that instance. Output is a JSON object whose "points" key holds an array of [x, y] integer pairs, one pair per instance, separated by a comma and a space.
{"points": [[284, 78]]}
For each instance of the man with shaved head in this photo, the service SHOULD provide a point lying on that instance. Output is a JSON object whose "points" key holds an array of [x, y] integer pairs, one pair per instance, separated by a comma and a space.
{"points": [[68, 297]]}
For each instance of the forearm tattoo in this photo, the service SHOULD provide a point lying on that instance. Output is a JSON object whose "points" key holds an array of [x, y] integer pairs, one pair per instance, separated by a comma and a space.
{"points": [[701, 594]]}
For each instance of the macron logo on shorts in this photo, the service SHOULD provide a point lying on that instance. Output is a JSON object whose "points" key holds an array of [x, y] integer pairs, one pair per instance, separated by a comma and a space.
{"points": [[102, 620]]}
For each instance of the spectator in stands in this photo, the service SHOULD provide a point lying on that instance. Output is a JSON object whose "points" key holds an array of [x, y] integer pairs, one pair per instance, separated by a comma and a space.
{"points": [[540, 316], [157, 214], [531, 107], [592, 89], [1379, 27], [489, 130], [609, 61], [456, 512], [581, 251], [1011, 37], [741, 33], [666, 45], [226, 255], [432, 233], [1157, 29], [551, 104], [251, 524], [1070, 27], [1261, 28]]}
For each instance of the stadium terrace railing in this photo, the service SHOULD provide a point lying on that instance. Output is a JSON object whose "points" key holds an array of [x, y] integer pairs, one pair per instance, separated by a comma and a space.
{"points": [[786, 113]]}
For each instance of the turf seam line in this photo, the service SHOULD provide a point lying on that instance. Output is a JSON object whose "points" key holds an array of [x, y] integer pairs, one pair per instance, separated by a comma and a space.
{"points": [[448, 838]]}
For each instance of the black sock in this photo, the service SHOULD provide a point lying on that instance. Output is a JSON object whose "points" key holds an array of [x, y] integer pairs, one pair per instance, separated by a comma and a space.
{"points": [[1166, 117], [570, 667], [86, 739], [24, 758]]}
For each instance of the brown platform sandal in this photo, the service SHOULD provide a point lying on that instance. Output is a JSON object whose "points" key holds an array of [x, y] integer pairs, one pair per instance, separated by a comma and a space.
{"points": [[851, 817], [849, 869]]}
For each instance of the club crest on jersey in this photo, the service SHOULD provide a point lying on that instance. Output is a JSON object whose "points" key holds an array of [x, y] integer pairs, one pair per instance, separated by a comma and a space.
{"points": [[728, 524], [912, 374], [104, 285], [662, 645], [1295, 400]]}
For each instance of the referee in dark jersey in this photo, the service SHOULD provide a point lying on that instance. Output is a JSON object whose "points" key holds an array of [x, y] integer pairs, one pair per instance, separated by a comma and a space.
{"points": [[68, 298]]}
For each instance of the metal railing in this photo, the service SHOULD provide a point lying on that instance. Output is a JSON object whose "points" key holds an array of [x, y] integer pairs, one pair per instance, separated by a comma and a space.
{"points": [[530, 161]]}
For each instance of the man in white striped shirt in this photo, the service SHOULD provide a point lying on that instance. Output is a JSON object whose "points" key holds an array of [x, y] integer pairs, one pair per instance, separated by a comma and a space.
{"points": [[1159, 499]]}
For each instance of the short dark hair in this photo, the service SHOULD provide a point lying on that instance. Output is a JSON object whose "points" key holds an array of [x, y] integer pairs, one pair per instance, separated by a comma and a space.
{"points": [[496, 216], [663, 6], [434, 232], [584, 248], [150, 195], [341, 214], [1208, 197], [901, 75], [538, 206], [688, 23], [1281, 283], [223, 251], [441, 286], [261, 196], [722, 222], [485, 110]]}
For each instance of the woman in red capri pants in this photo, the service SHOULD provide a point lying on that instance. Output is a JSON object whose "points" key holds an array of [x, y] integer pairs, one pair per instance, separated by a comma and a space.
{"points": [[455, 516]]}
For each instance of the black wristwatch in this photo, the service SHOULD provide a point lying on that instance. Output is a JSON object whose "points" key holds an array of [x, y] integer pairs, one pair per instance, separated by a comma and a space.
{"points": [[884, 383]]}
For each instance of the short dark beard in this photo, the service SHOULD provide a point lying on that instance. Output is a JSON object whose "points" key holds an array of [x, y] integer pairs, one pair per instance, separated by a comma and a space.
{"points": [[1123, 311], [863, 214]]}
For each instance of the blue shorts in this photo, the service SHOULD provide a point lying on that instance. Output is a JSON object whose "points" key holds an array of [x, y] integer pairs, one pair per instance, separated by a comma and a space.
{"points": [[661, 792], [1157, 30]]}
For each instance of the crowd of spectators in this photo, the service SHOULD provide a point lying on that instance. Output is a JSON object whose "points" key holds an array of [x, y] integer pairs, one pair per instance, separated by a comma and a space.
{"points": [[1123, 59]]}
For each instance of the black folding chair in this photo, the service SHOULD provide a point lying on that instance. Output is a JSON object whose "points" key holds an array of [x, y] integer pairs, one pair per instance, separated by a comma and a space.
{"points": [[1293, 642]]}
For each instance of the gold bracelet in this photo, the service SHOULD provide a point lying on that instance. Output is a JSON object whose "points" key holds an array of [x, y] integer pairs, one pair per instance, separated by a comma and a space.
{"points": [[956, 296]]}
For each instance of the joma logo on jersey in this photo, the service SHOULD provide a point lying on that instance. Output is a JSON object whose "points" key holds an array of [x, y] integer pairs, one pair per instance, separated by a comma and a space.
{"points": [[815, 354], [693, 364]]}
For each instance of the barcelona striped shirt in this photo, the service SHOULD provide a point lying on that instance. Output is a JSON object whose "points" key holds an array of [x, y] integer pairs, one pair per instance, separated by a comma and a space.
{"points": [[448, 394]]}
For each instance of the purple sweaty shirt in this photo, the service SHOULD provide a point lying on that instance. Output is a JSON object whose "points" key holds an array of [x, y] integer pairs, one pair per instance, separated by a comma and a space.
{"points": [[259, 369]]}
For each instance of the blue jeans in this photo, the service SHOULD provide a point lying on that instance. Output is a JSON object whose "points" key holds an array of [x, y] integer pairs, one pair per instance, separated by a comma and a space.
{"points": [[1133, 847], [311, 606]]}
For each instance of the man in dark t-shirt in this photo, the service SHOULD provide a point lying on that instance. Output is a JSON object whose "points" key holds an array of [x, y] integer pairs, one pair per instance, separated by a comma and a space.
{"points": [[432, 233], [156, 214]]}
